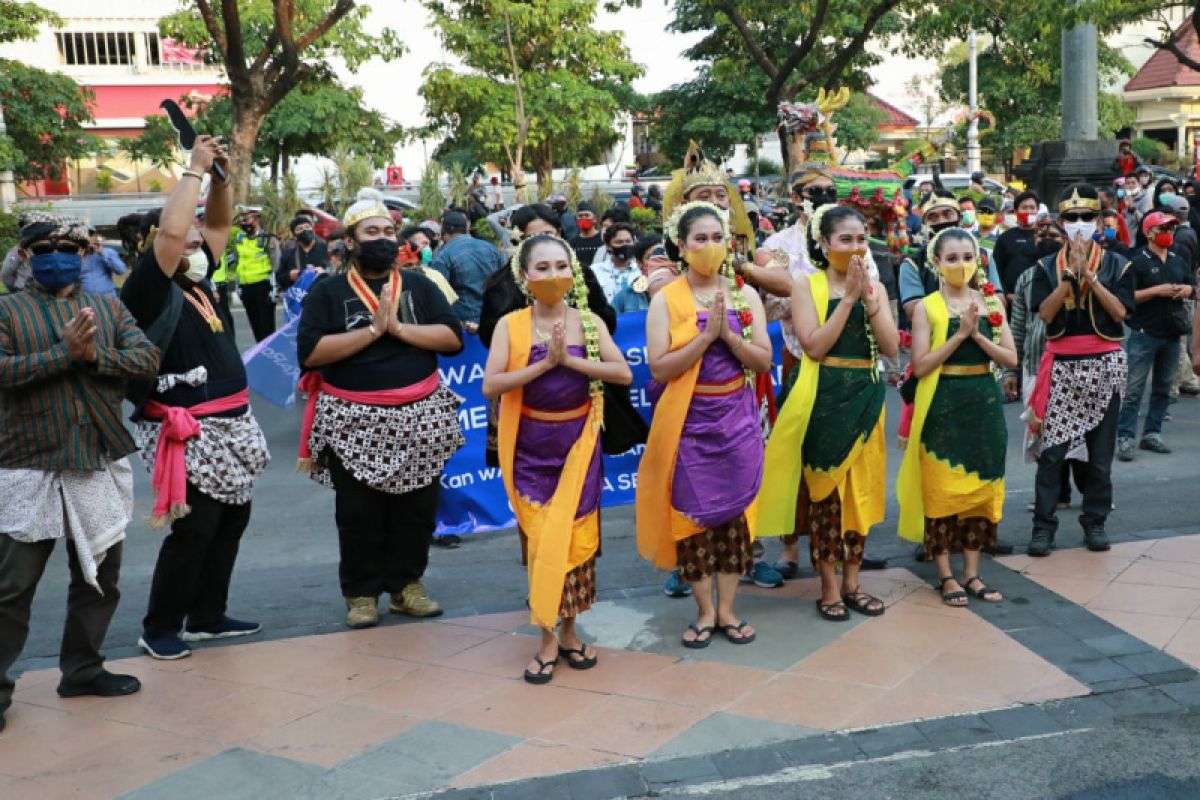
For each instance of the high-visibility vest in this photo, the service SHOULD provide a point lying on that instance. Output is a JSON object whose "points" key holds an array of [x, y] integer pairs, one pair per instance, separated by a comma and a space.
{"points": [[221, 274], [254, 260]]}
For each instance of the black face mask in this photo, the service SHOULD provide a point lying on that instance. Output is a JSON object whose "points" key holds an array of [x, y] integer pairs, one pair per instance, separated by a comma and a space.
{"points": [[306, 237], [1048, 247], [622, 252], [942, 226], [822, 197], [377, 255], [248, 228]]}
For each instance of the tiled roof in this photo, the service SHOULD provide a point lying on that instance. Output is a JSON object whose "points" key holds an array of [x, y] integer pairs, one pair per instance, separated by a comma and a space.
{"points": [[1164, 70], [895, 117]]}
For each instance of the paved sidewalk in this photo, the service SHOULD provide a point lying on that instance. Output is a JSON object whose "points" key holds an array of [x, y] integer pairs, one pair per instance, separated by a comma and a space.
{"points": [[414, 707]]}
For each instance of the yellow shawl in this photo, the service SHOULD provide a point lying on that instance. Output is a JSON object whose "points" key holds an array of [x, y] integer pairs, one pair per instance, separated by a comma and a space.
{"points": [[908, 484], [557, 542]]}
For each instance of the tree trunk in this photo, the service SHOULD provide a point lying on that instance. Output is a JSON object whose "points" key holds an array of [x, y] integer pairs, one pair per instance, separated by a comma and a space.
{"points": [[137, 176], [248, 116], [284, 159], [544, 164], [275, 172]]}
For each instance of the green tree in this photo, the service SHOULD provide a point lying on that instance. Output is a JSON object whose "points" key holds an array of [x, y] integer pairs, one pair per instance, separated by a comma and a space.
{"points": [[45, 113], [19, 20], [133, 148], [538, 82], [158, 142], [431, 202], [858, 123], [720, 108], [268, 48]]}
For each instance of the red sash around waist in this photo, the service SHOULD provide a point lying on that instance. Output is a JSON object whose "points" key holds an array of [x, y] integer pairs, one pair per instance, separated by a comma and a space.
{"points": [[179, 423], [314, 385]]}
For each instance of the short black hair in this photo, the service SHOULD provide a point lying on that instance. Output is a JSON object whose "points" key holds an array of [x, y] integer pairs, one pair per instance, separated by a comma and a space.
{"points": [[646, 244], [529, 212], [616, 228], [454, 222], [1026, 195], [617, 213]]}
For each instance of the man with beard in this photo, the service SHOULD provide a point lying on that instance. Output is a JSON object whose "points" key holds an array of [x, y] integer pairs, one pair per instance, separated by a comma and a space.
{"points": [[1083, 294], [379, 426], [195, 429], [65, 356]]}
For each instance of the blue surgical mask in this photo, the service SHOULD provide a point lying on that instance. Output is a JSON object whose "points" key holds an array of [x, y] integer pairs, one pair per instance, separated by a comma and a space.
{"points": [[1120, 194], [56, 270], [426, 254]]}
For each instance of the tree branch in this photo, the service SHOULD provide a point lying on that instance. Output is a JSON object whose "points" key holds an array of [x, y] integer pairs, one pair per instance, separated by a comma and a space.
{"points": [[801, 52], [235, 51], [264, 55], [284, 13], [214, 30], [752, 43], [522, 120], [334, 16], [832, 70], [1171, 45]]}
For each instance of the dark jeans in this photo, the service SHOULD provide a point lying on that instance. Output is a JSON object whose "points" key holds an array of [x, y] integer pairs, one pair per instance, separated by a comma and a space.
{"points": [[1096, 474], [384, 538], [260, 308], [1071, 469], [88, 611], [1147, 352], [195, 563]]}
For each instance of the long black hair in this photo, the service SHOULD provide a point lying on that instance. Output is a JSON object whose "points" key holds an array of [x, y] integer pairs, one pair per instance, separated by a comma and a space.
{"points": [[686, 222], [830, 221], [529, 212]]}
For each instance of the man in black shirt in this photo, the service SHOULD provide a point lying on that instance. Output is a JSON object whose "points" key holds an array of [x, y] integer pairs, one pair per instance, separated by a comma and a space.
{"points": [[1164, 281], [1083, 294], [1016, 249], [194, 423], [380, 427], [305, 249], [589, 240]]}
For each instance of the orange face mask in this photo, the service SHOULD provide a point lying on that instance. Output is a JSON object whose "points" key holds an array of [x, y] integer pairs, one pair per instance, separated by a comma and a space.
{"points": [[708, 259], [840, 259], [550, 290]]}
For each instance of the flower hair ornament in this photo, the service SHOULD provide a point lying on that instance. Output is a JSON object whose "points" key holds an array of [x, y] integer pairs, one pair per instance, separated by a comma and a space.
{"points": [[991, 297], [740, 306], [578, 298]]}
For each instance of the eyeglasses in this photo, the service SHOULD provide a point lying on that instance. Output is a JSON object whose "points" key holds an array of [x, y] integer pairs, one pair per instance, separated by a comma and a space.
{"points": [[1079, 216], [61, 245]]}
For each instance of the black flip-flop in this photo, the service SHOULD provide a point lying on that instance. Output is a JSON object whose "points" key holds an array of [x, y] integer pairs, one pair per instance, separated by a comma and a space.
{"points": [[826, 610], [950, 598], [541, 676], [584, 662], [725, 631], [860, 601], [698, 643], [984, 592]]}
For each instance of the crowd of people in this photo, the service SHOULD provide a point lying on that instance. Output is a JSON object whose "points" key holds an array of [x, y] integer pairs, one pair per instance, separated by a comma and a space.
{"points": [[1068, 306]]}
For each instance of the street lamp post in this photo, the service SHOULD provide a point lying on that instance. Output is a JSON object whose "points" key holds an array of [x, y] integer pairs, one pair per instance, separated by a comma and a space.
{"points": [[8, 186], [973, 156]]}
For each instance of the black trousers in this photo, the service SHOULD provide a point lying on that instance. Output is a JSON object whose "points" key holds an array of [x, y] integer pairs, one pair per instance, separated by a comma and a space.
{"points": [[1096, 475], [88, 612], [260, 308], [195, 564], [384, 538]]}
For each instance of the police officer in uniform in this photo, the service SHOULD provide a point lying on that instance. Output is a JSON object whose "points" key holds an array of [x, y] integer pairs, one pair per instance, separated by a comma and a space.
{"points": [[255, 256]]}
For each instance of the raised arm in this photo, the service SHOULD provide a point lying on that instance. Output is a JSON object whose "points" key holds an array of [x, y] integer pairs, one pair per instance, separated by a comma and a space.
{"points": [[180, 211]]}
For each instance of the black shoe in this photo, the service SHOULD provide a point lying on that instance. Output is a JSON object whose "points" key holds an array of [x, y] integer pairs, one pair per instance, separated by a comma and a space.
{"points": [[106, 684], [451, 541], [1096, 539], [227, 628], [1003, 548], [919, 553], [1154, 444], [1040, 544], [873, 563]]}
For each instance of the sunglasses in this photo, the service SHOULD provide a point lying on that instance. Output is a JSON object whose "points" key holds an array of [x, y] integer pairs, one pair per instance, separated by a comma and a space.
{"points": [[1079, 216], [48, 247]]}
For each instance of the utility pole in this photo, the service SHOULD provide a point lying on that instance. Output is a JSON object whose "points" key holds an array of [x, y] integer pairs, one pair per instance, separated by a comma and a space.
{"points": [[973, 155], [1080, 114], [8, 187]]}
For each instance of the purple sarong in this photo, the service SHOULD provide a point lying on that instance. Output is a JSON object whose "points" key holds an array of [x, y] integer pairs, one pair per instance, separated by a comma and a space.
{"points": [[719, 467], [542, 447]]}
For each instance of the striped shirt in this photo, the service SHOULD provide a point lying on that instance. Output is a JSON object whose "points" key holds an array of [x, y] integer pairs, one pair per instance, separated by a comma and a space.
{"points": [[55, 414]]}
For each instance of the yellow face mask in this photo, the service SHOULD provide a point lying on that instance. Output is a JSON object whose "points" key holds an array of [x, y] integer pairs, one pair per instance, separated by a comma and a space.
{"points": [[958, 275], [706, 260], [550, 290], [840, 259], [986, 220]]}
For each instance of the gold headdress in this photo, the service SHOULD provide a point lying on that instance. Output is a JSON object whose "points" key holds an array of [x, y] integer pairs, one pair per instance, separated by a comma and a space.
{"points": [[368, 203], [812, 149], [1076, 200], [699, 171]]}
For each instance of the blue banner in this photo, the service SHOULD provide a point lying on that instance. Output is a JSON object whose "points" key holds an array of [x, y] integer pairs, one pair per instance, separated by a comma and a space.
{"points": [[272, 366], [473, 496]]}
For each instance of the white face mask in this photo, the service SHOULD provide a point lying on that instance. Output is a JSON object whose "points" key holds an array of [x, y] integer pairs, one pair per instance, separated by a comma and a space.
{"points": [[1010, 220], [197, 267], [1086, 229]]}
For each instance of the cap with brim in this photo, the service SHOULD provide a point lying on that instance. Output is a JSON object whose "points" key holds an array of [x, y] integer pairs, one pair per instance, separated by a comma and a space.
{"points": [[1178, 204], [556, 198], [1157, 219], [986, 206], [454, 222]]}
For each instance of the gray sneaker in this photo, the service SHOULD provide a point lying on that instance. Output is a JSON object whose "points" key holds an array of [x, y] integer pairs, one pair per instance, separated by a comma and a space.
{"points": [[1125, 449], [1154, 444]]}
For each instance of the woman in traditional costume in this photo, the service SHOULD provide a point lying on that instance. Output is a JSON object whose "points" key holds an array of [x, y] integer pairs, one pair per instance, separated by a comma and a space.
{"points": [[826, 462], [702, 467], [547, 364], [951, 484]]}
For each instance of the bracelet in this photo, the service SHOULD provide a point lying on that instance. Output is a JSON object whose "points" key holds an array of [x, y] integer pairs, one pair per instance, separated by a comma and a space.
{"points": [[192, 173]]}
